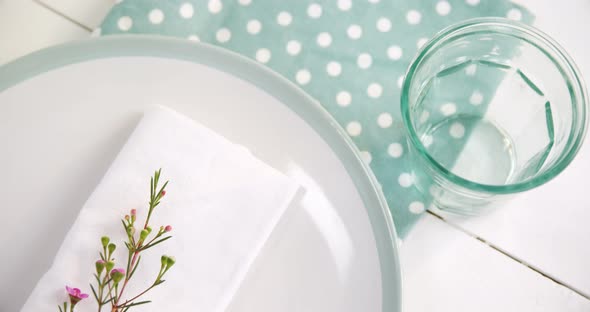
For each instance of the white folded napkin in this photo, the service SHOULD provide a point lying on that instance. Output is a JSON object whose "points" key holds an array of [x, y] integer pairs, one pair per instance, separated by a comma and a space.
{"points": [[222, 203]]}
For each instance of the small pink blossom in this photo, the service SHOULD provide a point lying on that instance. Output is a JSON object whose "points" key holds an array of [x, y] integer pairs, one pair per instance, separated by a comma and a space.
{"points": [[117, 275], [75, 295], [119, 270], [168, 228], [163, 193], [133, 212]]}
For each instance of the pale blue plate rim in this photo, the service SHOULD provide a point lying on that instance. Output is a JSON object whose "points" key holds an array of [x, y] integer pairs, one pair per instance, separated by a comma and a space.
{"points": [[264, 78]]}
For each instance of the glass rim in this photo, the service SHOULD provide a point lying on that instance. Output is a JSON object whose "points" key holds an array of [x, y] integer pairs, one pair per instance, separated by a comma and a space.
{"points": [[559, 56]]}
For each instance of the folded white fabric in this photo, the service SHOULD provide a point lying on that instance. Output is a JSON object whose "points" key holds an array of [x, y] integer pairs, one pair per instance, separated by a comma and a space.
{"points": [[222, 203]]}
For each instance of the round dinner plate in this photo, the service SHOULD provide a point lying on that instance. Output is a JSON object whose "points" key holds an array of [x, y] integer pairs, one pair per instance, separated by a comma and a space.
{"points": [[66, 111]]}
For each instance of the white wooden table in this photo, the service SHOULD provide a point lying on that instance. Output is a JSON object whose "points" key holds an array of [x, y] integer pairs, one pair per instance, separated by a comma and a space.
{"points": [[531, 255]]}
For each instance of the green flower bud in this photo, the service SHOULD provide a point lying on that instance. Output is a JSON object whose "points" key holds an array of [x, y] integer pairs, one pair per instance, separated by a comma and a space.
{"points": [[112, 248], [131, 230], [143, 234], [109, 265], [117, 275], [149, 229], [164, 260], [170, 262], [105, 241], [100, 264]]}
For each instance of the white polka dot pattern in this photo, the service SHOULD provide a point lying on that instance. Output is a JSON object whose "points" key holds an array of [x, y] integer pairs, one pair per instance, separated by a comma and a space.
{"points": [[421, 42], [413, 17], [384, 120], [366, 156], [354, 128], [395, 150], [394, 52], [125, 23], [364, 60], [324, 39], [186, 10], [514, 14], [416, 207], [354, 31], [223, 35], [314, 10], [448, 109], [457, 130], [383, 24], [344, 5], [443, 8], [253, 27], [303, 76], [263, 55], [350, 55], [156, 16], [215, 6], [334, 69], [293, 47], [374, 90], [405, 180], [284, 18], [476, 98], [343, 98]]}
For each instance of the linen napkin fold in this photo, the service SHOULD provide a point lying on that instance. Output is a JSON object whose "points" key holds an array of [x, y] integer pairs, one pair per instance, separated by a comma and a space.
{"points": [[222, 203]]}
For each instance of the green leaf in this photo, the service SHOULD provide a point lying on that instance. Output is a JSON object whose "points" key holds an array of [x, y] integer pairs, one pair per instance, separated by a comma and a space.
{"points": [[156, 179], [60, 310], [156, 242], [97, 279], [94, 293], [162, 188], [130, 247], [151, 188], [137, 303]]}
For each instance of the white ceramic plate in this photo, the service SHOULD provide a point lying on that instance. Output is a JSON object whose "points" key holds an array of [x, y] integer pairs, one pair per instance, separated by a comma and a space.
{"points": [[66, 111]]}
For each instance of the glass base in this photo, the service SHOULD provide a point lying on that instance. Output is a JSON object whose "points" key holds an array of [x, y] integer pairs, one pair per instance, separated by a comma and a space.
{"points": [[487, 154]]}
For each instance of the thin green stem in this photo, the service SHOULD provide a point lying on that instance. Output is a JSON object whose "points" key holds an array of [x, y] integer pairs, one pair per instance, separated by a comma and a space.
{"points": [[153, 239], [140, 294], [127, 277]]}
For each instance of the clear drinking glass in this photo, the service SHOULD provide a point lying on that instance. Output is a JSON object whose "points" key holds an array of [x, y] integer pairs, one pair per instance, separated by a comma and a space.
{"points": [[491, 107]]}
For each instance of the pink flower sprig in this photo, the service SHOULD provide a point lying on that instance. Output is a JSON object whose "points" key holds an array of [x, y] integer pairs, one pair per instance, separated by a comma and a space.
{"points": [[75, 295], [110, 281]]}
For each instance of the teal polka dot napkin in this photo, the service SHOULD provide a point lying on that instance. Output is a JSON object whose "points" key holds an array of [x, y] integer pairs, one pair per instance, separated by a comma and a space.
{"points": [[349, 55]]}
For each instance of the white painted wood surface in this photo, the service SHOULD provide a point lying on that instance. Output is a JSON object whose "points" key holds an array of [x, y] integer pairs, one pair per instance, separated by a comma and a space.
{"points": [[25, 26], [445, 266], [446, 270], [548, 227], [87, 12]]}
